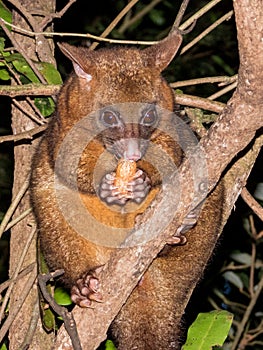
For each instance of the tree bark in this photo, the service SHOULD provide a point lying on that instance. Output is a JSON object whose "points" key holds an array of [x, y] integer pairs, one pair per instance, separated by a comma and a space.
{"points": [[238, 128], [26, 330]]}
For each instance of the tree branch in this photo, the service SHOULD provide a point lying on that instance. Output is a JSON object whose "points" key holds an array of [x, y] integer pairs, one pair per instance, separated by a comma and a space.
{"points": [[252, 203], [29, 90]]}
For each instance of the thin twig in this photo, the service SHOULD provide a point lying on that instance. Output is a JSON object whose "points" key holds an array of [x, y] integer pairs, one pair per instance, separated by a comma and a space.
{"points": [[18, 219], [115, 22], [13, 206], [19, 302], [20, 49], [138, 15], [210, 80], [198, 14], [29, 90], [208, 30], [87, 35], [223, 91], [252, 203], [32, 326], [27, 16], [67, 316], [199, 102], [226, 301], [22, 274], [25, 135], [180, 14], [27, 112], [58, 14], [246, 316], [16, 272], [253, 261], [41, 119]]}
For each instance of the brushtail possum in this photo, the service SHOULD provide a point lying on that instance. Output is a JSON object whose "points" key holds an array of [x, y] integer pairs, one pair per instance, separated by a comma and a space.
{"points": [[115, 101]]}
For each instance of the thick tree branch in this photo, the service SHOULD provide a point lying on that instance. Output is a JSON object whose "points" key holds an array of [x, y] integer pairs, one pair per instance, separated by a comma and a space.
{"points": [[233, 132]]}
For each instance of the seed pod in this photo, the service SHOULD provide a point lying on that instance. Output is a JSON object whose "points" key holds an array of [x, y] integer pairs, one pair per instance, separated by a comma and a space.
{"points": [[125, 172]]}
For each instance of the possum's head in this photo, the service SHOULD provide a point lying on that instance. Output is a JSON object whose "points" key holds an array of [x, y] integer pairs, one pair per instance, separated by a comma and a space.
{"points": [[109, 78]]}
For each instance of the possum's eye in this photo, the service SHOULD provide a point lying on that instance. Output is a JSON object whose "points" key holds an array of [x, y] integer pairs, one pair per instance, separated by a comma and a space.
{"points": [[149, 117], [110, 118]]}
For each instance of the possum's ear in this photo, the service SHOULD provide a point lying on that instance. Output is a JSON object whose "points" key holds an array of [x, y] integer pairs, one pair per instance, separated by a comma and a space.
{"points": [[81, 58], [161, 54]]}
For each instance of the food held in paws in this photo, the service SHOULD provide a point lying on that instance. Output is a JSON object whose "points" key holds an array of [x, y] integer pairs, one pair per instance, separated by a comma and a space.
{"points": [[125, 172]]}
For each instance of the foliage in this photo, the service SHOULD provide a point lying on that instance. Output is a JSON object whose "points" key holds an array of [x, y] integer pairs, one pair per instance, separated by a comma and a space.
{"points": [[15, 62], [208, 330]]}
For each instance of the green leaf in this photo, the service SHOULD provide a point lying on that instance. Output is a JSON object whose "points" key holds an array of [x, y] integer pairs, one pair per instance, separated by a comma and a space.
{"points": [[45, 105], [50, 73], [3, 347], [48, 319], [62, 297], [209, 329], [5, 13], [22, 67], [4, 75], [109, 345], [233, 278], [2, 44], [242, 258]]}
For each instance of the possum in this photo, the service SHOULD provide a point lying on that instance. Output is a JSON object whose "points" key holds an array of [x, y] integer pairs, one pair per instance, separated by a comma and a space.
{"points": [[111, 109]]}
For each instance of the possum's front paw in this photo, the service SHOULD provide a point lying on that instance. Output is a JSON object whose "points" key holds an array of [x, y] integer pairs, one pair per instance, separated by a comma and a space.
{"points": [[86, 289], [136, 189]]}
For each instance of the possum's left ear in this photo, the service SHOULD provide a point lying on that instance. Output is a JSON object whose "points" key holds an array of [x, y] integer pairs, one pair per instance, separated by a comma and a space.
{"points": [[82, 59], [160, 55]]}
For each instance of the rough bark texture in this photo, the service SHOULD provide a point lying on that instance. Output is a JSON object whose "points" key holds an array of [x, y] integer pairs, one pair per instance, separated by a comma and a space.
{"points": [[234, 131], [28, 316]]}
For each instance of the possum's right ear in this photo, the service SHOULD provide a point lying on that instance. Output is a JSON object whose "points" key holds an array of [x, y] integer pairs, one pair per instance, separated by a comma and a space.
{"points": [[80, 58], [161, 54]]}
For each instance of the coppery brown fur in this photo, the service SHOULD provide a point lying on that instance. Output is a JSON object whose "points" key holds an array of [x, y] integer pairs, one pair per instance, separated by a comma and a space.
{"points": [[150, 318]]}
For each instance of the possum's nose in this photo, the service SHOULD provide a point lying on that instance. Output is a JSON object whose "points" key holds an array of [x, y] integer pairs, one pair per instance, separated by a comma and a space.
{"points": [[132, 149]]}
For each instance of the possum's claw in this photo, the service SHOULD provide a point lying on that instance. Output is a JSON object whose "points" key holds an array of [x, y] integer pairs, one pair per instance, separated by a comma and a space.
{"points": [[176, 239], [188, 223], [85, 290], [109, 193], [139, 187]]}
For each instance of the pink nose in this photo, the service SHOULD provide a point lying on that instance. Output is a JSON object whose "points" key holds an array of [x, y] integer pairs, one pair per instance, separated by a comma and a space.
{"points": [[134, 157], [132, 151]]}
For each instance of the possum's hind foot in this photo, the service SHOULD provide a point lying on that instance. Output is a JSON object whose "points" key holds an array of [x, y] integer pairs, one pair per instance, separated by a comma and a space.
{"points": [[86, 289], [178, 238]]}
